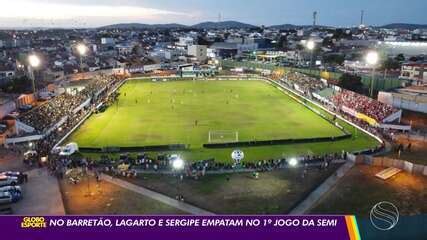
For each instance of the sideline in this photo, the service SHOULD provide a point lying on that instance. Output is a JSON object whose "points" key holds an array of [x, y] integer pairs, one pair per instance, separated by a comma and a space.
{"points": [[231, 171]]}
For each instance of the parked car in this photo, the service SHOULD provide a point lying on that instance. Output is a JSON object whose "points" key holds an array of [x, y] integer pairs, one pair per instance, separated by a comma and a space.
{"points": [[15, 191], [5, 198], [6, 211], [11, 189], [8, 181], [19, 175]]}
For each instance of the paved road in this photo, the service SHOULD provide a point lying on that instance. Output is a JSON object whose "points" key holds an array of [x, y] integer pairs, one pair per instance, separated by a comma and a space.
{"points": [[42, 195], [157, 196]]}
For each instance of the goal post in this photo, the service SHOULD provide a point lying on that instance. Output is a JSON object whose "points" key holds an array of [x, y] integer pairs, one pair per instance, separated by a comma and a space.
{"points": [[223, 136]]}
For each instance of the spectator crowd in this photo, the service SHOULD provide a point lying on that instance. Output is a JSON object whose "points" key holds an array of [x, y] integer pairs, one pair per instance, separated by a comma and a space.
{"points": [[368, 106], [357, 102], [45, 117], [305, 83]]}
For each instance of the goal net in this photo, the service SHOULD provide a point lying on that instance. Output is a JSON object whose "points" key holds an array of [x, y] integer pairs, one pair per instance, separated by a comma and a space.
{"points": [[223, 136]]}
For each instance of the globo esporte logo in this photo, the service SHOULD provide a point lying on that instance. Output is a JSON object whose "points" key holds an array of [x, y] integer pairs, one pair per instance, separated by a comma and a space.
{"points": [[384, 216], [33, 222]]}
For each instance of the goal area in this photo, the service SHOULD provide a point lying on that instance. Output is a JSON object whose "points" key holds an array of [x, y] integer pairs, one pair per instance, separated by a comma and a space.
{"points": [[223, 136]]}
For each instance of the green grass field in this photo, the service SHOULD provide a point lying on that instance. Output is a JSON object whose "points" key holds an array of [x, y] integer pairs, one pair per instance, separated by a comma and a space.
{"points": [[184, 112]]}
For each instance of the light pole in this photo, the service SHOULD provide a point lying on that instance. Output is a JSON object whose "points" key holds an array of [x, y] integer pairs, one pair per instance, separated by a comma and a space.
{"points": [[34, 62], [82, 49], [178, 165], [372, 60], [310, 46], [293, 162]]}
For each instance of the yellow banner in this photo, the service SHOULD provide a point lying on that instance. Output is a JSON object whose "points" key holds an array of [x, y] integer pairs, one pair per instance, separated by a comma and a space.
{"points": [[367, 119]]}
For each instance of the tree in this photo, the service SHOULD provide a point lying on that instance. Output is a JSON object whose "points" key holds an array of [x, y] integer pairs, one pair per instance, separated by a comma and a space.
{"points": [[327, 42], [137, 50], [400, 57], [17, 85], [334, 59], [416, 58], [351, 82], [202, 41], [391, 63], [282, 43]]}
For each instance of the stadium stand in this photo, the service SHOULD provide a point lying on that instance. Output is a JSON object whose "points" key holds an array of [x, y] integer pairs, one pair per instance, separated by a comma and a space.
{"points": [[54, 118], [370, 107]]}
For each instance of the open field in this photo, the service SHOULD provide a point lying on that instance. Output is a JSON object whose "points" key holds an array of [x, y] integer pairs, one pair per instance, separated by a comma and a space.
{"points": [[275, 192], [417, 154], [360, 190], [184, 112], [107, 198]]}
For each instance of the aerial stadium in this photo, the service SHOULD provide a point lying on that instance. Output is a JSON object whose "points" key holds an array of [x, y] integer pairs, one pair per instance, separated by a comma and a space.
{"points": [[129, 119], [240, 121], [208, 117]]}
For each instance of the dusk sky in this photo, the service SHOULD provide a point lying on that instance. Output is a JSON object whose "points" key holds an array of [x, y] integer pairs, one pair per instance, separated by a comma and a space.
{"points": [[93, 13]]}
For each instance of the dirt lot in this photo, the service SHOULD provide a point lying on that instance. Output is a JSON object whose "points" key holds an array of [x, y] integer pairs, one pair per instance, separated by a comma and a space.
{"points": [[98, 198], [274, 192], [360, 190], [417, 154]]}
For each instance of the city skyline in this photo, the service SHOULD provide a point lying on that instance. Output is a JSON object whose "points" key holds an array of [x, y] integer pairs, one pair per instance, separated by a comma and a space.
{"points": [[90, 13]]}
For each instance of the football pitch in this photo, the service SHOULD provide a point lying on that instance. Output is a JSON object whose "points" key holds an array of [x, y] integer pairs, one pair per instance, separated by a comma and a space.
{"points": [[195, 112]]}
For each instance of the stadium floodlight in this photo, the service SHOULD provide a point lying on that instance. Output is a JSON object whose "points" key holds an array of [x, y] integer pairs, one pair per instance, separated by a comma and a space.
{"points": [[372, 58], [293, 162], [310, 45], [34, 60], [82, 49], [178, 164]]}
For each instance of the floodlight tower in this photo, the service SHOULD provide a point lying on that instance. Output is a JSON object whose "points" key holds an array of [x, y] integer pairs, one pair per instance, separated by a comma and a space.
{"points": [[178, 165], [82, 50], [293, 162], [314, 19], [34, 62], [310, 45], [372, 59]]}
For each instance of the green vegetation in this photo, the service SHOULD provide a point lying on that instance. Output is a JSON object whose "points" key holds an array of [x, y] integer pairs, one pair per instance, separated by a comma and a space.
{"points": [[184, 112]]}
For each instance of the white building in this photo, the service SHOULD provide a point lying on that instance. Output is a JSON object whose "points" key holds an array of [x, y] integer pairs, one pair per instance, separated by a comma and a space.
{"points": [[173, 54], [199, 52], [107, 41], [185, 41], [124, 49], [411, 98], [414, 71], [6, 73]]}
